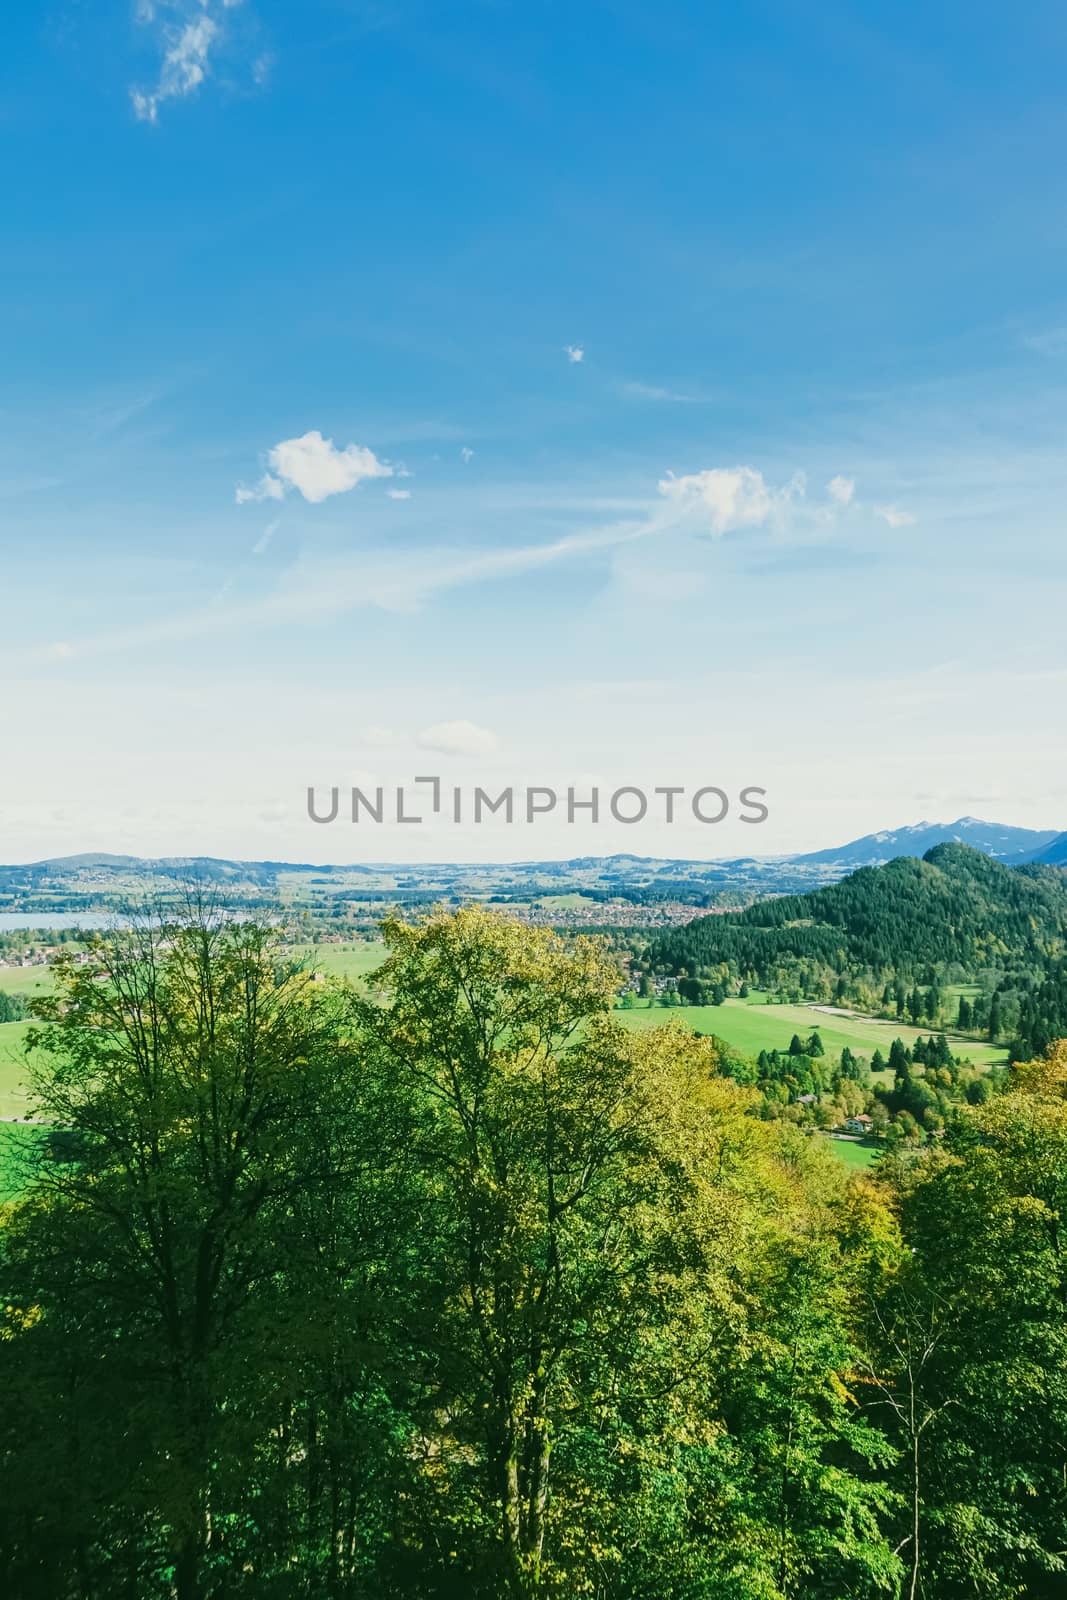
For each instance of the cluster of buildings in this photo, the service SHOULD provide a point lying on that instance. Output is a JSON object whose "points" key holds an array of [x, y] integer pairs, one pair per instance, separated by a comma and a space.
{"points": [[607, 914]]}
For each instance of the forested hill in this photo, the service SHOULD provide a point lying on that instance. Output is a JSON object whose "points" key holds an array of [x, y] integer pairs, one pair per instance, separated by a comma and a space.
{"points": [[955, 906]]}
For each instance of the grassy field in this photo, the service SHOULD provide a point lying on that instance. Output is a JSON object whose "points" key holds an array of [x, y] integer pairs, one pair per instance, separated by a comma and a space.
{"points": [[353, 960], [751, 1027], [563, 902], [854, 1155], [13, 1101], [25, 980]]}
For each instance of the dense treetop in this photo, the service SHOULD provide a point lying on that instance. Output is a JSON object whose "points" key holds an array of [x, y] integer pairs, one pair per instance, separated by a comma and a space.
{"points": [[955, 905], [462, 1292]]}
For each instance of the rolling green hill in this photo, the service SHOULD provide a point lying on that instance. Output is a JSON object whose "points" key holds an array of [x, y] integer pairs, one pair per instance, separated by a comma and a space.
{"points": [[954, 916], [954, 906]]}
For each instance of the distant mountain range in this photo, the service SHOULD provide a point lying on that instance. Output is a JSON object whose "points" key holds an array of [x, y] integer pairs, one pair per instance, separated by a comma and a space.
{"points": [[762, 874], [1056, 854], [1003, 843]]}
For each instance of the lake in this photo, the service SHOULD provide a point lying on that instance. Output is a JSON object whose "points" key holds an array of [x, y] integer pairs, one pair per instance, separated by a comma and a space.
{"points": [[11, 920]]}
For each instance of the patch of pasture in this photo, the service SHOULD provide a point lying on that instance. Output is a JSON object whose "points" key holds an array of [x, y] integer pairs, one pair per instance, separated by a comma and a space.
{"points": [[355, 960], [854, 1154], [14, 1073], [26, 980], [751, 1026], [575, 901]]}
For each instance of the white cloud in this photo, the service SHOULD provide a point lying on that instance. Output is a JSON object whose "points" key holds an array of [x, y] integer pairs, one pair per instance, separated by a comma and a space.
{"points": [[190, 34], [733, 497], [267, 488], [318, 469], [574, 352], [184, 66], [315, 467], [457, 739], [262, 543], [894, 516], [466, 454], [841, 489], [399, 494]]}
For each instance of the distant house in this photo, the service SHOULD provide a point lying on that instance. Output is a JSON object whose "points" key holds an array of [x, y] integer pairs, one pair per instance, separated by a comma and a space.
{"points": [[861, 1124], [805, 1099]]}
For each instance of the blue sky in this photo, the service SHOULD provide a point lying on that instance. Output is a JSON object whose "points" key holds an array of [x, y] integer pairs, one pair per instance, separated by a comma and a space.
{"points": [[565, 394]]}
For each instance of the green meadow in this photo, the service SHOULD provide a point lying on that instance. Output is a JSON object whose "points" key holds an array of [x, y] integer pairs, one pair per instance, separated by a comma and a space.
{"points": [[854, 1155], [13, 1070], [25, 980], [751, 1026], [353, 960]]}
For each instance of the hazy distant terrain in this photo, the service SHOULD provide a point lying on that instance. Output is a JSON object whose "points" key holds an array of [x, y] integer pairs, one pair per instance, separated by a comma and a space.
{"points": [[593, 891]]}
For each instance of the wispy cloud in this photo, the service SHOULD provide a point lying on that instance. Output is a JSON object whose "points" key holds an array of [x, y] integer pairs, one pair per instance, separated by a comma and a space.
{"points": [[109, 414], [190, 33], [574, 353], [1048, 341], [399, 494], [316, 468], [466, 454], [313, 589], [10, 487], [263, 542], [841, 490], [268, 488], [894, 516], [457, 739], [653, 392]]}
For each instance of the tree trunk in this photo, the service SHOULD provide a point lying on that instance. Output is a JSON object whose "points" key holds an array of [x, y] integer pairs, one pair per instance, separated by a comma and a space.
{"points": [[914, 1587], [522, 1488], [187, 1584]]}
